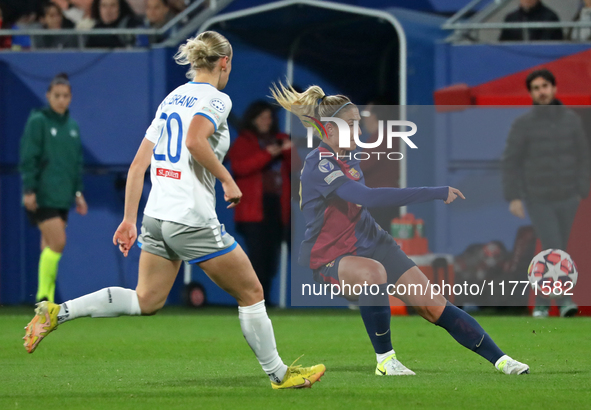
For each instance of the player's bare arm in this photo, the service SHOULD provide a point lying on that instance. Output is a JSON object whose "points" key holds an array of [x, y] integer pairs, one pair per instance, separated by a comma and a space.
{"points": [[126, 233], [197, 135]]}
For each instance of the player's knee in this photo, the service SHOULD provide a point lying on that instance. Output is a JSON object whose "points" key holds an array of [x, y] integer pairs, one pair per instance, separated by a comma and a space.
{"points": [[422, 311], [430, 313], [149, 305], [150, 310], [251, 295], [58, 245], [374, 273]]}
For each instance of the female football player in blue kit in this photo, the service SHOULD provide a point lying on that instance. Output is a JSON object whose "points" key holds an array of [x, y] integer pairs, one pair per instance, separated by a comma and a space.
{"points": [[344, 245], [185, 147]]}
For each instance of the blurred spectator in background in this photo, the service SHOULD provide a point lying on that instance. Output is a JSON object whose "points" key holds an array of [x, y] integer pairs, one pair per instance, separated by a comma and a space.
{"points": [[179, 5], [15, 9], [531, 11], [261, 164], [51, 170], [113, 14], [138, 7], [547, 165], [380, 172], [5, 41], [584, 14], [25, 21], [158, 13], [53, 19], [77, 11]]}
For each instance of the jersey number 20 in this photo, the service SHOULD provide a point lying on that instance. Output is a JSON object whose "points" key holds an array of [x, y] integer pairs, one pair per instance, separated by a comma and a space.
{"points": [[179, 140]]}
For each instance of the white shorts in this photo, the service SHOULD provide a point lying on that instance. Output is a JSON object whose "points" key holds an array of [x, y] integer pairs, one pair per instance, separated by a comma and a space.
{"points": [[174, 241]]}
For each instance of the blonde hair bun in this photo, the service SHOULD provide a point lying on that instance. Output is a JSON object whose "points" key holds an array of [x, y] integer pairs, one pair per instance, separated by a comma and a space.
{"points": [[197, 51], [203, 52]]}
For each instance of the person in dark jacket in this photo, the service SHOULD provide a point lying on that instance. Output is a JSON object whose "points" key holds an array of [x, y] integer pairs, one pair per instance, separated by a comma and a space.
{"points": [[113, 14], [547, 165], [53, 19], [51, 170], [158, 14], [261, 163], [531, 11]]}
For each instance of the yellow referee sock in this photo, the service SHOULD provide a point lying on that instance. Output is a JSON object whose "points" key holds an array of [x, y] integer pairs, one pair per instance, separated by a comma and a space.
{"points": [[48, 262]]}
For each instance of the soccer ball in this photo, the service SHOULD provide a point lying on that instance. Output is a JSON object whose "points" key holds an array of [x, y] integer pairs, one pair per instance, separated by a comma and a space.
{"points": [[552, 273]]}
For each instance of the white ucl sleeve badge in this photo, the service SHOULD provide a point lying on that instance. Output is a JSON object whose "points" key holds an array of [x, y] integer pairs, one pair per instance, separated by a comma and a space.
{"points": [[218, 104]]}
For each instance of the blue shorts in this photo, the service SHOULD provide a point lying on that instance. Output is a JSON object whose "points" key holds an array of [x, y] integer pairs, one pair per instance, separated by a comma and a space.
{"points": [[387, 252]]}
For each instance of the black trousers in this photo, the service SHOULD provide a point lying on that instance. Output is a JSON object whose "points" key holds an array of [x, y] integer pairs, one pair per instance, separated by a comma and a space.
{"points": [[553, 221], [263, 241]]}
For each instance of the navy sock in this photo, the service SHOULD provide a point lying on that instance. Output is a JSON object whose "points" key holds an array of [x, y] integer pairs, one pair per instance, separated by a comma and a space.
{"points": [[467, 332], [375, 312]]}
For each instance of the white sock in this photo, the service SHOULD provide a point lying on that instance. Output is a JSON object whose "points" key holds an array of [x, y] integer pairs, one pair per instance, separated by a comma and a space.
{"points": [[382, 356], [107, 302], [258, 332]]}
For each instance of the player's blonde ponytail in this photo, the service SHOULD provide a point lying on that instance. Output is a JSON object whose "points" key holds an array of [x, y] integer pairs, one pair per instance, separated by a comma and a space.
{"points": [[312, 102], [203, 51]]}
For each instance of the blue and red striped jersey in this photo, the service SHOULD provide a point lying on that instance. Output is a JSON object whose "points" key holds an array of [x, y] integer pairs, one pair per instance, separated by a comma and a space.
{"points": [[334, 227]]}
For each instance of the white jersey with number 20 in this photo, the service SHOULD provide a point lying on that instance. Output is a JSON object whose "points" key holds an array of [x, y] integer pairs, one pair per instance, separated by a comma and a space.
{"points": [[182, 190]]}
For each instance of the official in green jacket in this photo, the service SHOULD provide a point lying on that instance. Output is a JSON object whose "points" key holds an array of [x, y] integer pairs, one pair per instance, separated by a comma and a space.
{"points": [[51, 168]]}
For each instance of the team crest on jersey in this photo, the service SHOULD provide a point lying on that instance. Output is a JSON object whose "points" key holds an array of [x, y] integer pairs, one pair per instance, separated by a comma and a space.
{"points": [[354, 173], [73, 133], [330, 264], [218, 104], [53, 131], [325, 166]]}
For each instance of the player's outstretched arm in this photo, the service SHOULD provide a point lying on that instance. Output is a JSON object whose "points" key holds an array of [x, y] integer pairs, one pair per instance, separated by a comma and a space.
{"points": [[358, 193], [126, 233], [199, 131]]}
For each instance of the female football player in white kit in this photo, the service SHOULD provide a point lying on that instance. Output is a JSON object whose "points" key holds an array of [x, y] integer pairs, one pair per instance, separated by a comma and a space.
{"points": [[185, 146]]}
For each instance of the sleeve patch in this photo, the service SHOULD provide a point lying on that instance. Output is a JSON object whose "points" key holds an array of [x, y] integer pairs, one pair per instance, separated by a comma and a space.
{"points": [[213, 113], [325, 166], [333, 176], [218, 104]]}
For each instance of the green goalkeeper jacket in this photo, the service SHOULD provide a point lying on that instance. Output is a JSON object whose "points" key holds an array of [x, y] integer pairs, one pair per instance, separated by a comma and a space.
{"points": [[51, 158]]}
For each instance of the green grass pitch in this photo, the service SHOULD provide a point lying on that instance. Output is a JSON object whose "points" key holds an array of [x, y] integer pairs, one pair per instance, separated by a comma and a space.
{"points": [[192, 359]]}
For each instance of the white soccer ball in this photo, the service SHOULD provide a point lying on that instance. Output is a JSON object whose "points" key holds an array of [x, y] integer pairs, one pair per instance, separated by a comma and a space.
{"points": [[552, 273]]}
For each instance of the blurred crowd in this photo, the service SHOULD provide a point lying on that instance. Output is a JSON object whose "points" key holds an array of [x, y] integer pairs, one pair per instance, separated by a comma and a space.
{"points": [[85, 15], [116, 14], [532, 11]]}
